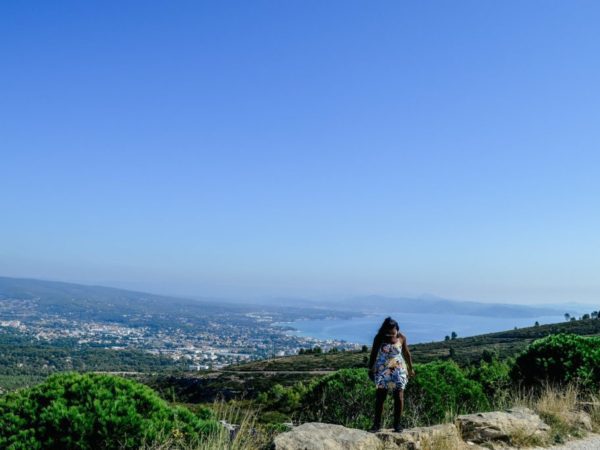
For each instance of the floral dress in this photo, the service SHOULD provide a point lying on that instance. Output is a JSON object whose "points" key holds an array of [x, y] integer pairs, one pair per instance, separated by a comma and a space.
{"points": [[390, 367]]}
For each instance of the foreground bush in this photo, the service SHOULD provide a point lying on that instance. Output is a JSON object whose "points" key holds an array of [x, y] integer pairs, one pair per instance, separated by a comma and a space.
{"points": [[346, 397], [440, 390], [560, 359], [91, 411], [494, 377]]}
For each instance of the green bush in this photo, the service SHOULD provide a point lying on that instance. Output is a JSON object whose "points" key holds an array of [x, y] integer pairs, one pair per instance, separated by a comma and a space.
{"points": [[559, 359], [90, 411], [494, 377], [282, 399], [439, 391], [347, 396]]}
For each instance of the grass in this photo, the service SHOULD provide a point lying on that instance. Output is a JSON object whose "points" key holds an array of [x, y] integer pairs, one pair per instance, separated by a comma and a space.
{"points": [[595, 412], [247, 436], [440, 442], [560, 408], [521, 437]]}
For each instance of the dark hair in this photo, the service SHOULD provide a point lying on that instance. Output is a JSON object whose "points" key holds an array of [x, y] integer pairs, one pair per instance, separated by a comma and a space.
{"points": [[386, 326]]}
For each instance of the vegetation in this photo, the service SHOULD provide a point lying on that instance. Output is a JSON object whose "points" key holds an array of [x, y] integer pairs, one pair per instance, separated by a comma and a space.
{"points": [[75, 411], [468, 350], [345, 397], [553, 375], [560, 358], [440, 391], [25, 361], [443, 389]]}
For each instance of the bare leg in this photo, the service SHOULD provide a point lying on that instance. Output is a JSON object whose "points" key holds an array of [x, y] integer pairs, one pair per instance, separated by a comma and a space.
{"points": [[398, 408], [380, 395]]}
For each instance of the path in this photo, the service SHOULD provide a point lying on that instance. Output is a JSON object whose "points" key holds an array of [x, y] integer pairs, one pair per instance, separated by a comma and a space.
{"points": [[591, 442]]}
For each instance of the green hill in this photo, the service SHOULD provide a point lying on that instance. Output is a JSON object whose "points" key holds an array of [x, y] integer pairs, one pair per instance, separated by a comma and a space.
{"points": [[466, 350], [247, 380]]}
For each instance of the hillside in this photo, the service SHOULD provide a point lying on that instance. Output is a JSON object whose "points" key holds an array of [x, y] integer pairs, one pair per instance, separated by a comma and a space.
{"points": [[49, 326], [468, 349], [252, 378]]}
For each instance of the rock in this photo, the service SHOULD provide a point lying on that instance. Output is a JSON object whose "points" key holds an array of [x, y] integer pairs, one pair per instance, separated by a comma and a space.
{"points": [[231, 428], [324, 436], [438, 436], [501, 425]]}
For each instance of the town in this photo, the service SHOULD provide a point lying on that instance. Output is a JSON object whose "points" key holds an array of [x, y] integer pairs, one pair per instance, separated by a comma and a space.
{"points": [[192, 344]]}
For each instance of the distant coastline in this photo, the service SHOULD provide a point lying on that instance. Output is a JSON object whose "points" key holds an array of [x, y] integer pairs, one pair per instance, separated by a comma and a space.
{"points": [[419, 327]]}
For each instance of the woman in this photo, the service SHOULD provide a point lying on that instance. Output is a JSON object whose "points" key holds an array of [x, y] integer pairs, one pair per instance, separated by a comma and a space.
{"points": [[390, 366]]}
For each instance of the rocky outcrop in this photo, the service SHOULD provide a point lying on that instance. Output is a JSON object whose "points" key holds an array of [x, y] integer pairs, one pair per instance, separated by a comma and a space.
{"points": [[501, 425], [324, 436], [438, 436], [496, 430]]}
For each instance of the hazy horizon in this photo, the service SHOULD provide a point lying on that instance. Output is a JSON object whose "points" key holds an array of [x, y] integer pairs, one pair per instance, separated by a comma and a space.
{"points": [[314, 150], [310, 301]]}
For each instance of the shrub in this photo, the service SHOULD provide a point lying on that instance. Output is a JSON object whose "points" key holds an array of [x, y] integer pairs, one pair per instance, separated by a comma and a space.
{"points": [[494, 377], [439, 391], [282, 399], [347, 397], [85, 411], [560, 358]]}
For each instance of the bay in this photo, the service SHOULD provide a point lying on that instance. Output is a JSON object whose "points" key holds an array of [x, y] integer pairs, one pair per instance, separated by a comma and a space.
{"points": [[417, 327]]}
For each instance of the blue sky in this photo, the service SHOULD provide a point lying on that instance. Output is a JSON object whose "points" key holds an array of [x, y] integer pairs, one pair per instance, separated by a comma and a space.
{"points": [[316, 149]]}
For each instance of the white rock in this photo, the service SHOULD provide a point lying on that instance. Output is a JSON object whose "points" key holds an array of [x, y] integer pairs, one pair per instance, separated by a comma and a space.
{"points": [[501, 425], [324, 436]]}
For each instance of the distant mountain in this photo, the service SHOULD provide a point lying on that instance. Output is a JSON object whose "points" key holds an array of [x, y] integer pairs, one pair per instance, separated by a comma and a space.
{"points": [[435, 305], [107, 304], [99, 302]]}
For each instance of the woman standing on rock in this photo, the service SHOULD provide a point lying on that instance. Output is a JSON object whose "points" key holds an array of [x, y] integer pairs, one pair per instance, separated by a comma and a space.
{"points": [[390, 366]]}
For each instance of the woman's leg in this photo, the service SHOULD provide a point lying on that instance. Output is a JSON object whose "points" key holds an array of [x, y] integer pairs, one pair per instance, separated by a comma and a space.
{"points": [[398, 408], [380, 395]]}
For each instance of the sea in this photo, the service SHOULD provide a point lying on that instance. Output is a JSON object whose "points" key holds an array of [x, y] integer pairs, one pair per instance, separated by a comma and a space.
{"points": [[417, 327]]}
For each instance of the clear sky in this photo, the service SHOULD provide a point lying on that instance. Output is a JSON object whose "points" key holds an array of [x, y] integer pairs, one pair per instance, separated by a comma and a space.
{"points": [[304, 148]]}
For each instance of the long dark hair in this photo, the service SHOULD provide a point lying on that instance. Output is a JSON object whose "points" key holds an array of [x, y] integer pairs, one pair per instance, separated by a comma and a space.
{"points": [[387, 325]]}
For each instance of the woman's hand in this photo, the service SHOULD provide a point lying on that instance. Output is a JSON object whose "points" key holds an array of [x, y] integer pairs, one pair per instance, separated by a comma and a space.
{"points": [[411, 373]]}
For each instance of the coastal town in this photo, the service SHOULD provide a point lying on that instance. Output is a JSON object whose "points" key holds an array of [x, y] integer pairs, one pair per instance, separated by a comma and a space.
{"points": [[194, 345]]}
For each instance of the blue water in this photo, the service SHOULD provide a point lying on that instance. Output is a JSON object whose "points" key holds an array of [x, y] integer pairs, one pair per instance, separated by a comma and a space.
{"points": [[417, 327]]}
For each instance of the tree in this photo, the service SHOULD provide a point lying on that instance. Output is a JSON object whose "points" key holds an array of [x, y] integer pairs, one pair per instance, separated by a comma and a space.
{"points": [[447, 338], [454, 335], [364, 349], [536, 324], [489, 355], [567, 316], [560, 358], [89, 411], [595, 314], [585, 317]]}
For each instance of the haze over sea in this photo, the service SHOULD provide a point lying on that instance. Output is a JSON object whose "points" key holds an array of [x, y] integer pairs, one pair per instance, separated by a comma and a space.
{"points": [[417, 327]]}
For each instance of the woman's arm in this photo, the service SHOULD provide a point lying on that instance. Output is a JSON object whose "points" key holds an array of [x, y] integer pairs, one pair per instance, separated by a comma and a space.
{"points": [[407, 356]]}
